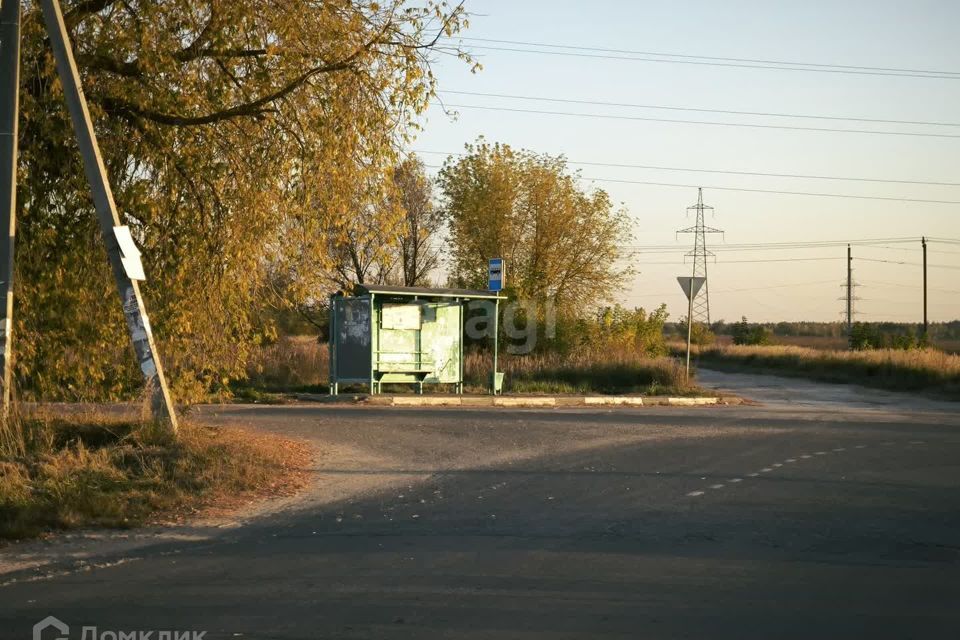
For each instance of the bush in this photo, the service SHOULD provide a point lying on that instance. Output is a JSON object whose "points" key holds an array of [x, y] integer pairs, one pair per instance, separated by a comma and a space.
{"points": [[744, 334], [865, 336], [616, 329]]}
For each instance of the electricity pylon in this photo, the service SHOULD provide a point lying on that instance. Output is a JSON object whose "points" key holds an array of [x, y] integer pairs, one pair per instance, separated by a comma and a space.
{"points": [[700, 308], [849, 295], [123, 254]]}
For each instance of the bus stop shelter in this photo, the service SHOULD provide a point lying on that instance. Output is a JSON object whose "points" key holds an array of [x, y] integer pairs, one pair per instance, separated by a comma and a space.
{"points": [[406, 335]]}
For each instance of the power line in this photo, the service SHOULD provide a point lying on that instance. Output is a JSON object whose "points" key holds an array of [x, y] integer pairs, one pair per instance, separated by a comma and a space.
{"points": [[698, 110], [912, 286], [775, 286], [792, 246], [754, 261], [729, 172], [861, 241], [700, 122], [911, 264], [709, 63], [746, 190], [772, 191], [712, 58]]}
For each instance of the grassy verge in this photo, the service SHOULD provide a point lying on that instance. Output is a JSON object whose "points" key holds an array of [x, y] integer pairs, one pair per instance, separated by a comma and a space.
{"points": [[300, 364], [924, 370], [62, 473], [588, 371]]}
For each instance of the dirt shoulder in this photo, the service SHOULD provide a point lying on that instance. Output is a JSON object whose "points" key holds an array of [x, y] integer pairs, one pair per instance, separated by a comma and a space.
{"points": [[212, 480]]}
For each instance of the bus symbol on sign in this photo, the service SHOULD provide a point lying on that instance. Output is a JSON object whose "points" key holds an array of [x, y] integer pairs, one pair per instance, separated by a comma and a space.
{"points": [[496, 274]]}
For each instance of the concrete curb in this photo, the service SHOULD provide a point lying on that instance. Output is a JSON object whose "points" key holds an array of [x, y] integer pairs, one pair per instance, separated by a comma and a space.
{"points": [[518, 401]]}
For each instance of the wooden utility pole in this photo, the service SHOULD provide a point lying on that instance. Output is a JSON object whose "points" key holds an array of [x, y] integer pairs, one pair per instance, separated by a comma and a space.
{"points": [[111, 227], [926, 325], [9, 116]]}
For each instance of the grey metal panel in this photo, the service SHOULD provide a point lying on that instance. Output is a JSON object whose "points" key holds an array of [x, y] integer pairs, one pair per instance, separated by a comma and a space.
{"points": [[352, 336]]}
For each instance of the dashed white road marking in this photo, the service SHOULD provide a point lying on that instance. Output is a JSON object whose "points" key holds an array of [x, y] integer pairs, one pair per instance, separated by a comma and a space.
{"points": [[917, 442], [886, 444], [776, 465]]}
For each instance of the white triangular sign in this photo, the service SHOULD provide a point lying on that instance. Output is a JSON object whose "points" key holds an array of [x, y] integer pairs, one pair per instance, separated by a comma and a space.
{"points": [[691, 286]]}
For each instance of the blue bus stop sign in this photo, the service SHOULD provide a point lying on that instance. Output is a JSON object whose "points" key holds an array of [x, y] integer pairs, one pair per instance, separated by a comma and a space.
{"points": [[496, 274]]}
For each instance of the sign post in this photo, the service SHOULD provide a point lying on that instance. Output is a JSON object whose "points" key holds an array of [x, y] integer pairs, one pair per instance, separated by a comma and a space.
{"points": [[495, 283], [690, 286], [121, 250]]}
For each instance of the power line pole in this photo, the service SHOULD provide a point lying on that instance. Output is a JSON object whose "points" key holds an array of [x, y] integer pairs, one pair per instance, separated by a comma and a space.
{"points": [[849, 289], [700, 305], [849, 297], [111, 229], [926, 326], [9, 116]]}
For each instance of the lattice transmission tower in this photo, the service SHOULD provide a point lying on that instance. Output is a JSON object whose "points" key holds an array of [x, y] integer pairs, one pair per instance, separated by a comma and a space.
{"points": [[700, 255]]}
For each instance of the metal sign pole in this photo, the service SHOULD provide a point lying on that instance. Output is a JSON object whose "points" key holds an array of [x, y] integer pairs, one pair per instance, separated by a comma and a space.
{"points": [[133, 307], [689, 332], [9, 115], [691, 286]]}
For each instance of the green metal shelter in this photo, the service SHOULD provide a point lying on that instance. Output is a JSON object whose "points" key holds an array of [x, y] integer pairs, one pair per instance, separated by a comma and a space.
{"points": [[412, 335]]}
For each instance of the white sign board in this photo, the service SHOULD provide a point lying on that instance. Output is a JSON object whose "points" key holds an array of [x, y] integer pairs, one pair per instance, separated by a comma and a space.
{"points": [[401, 316], [129, 254], [691, 286], [496, 274]]}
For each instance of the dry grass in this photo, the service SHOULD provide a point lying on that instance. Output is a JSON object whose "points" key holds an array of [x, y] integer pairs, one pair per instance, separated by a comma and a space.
{"points": [[585, 371], [62, 473], [301, 363], [913, 370], [293, 363]]}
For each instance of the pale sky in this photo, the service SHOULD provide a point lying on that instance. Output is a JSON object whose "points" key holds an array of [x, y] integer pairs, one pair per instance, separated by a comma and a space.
{"points": [[917, 34]]}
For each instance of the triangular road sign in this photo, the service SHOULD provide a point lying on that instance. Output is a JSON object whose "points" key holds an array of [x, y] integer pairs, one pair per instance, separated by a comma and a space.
{"points": [[691, 286]]}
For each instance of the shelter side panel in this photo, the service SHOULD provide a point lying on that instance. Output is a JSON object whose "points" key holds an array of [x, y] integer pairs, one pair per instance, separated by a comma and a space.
{"points": [[353, 343]]}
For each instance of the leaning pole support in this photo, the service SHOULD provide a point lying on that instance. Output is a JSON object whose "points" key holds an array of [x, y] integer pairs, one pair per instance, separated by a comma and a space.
{"points": [[9, 115], [110, 225]]}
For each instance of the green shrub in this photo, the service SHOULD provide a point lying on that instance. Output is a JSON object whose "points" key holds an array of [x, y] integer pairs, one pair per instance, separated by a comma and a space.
{"points": [[745, 334]]}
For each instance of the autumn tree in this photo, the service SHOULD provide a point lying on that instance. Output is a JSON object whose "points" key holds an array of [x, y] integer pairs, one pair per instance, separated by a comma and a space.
{"points": [[560, 241], [421, 222], [242, 139]]}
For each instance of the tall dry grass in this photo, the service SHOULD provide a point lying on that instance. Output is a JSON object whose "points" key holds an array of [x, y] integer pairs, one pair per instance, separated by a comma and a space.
{"points": [[291, 363], [302, 363], [582, 371], [96, 470], [912, 370]]}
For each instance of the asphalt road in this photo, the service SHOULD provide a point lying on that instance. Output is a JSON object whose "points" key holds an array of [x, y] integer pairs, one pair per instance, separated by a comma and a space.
{"points": [[827, 512]]}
